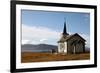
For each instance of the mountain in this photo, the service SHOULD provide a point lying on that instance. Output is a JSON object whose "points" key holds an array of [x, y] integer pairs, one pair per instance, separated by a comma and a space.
{"points": [[41, 48], [38, 48], [87, 49]]}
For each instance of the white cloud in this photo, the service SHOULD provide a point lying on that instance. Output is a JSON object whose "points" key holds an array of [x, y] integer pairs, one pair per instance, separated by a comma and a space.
{"points": [[25, 41], [33, 34], [37, 35], [42, 40], [29, 42]]}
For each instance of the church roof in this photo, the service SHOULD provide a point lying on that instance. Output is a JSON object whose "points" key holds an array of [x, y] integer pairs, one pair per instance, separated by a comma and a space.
{"points": [[67, 37]]}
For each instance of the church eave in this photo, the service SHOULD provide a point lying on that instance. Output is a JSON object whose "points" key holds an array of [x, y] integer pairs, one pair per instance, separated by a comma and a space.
{"points": [[77, 35], [69, 37]]}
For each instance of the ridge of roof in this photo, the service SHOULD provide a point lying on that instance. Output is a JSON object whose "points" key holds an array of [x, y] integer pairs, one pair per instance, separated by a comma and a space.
{"points": [[67, 37]]}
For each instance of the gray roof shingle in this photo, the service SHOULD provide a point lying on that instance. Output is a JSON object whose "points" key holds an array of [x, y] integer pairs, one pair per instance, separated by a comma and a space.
{"points": [[67, 37]]}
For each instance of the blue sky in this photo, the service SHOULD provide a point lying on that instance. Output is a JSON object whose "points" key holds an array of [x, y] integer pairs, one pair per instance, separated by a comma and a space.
{"points": [[52, 22]]}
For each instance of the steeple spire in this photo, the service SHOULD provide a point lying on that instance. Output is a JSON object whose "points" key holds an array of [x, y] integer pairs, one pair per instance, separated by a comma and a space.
{"points": [[64, 30]]}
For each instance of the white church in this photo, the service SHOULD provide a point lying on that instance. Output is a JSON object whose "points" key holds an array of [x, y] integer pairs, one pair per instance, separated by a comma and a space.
{"points": [[71, 43]]}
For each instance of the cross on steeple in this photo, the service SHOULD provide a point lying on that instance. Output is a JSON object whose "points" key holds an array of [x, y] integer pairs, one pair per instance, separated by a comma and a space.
{"points": [[64, 30]]}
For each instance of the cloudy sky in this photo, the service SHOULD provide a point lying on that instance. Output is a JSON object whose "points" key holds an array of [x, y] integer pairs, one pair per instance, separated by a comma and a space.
{"points": [[40, 27]]}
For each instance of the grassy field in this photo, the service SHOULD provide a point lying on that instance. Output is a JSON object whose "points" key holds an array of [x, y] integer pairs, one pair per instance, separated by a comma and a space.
{"points": [[45, 57]]}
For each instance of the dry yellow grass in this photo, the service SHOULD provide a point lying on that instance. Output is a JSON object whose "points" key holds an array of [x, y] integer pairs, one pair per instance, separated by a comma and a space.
{"points": [[27, 57]]}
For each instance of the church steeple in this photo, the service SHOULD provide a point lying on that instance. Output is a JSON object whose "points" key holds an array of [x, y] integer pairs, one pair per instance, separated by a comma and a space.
{"points": [[64, 30]]}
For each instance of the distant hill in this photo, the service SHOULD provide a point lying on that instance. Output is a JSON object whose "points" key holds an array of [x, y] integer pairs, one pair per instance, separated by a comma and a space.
{"points": [[87, 49], [38, 48], [41, 48]]}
